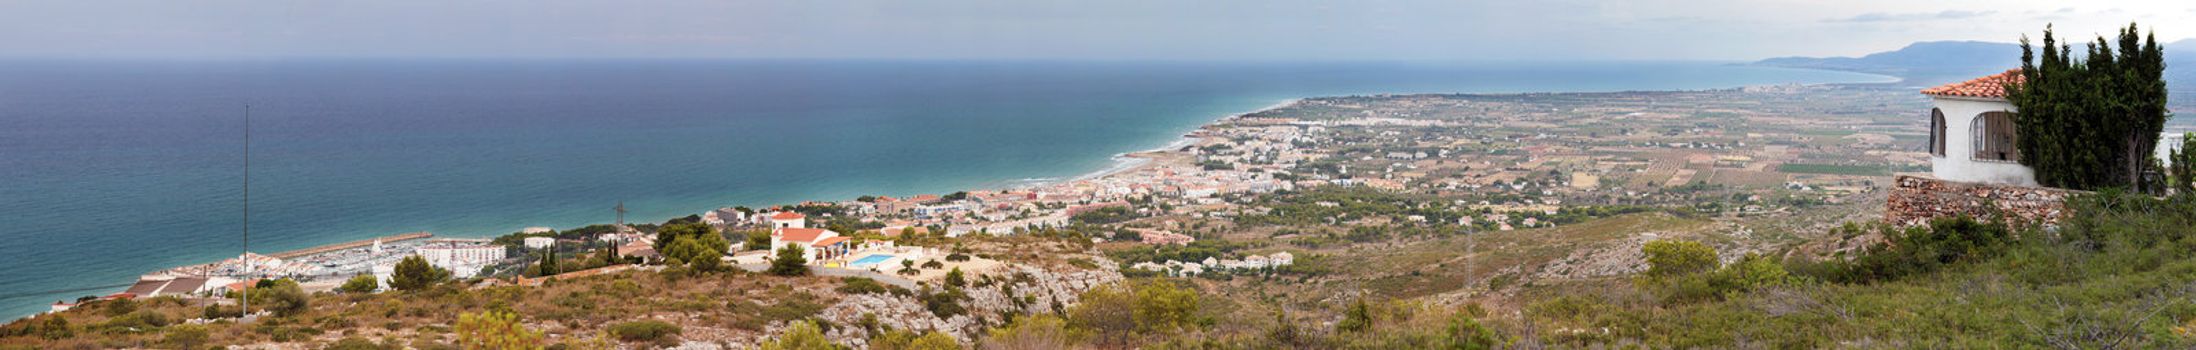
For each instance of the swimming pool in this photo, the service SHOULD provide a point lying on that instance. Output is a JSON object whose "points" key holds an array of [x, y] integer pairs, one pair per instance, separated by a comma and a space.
{"points": [[872, 259]]}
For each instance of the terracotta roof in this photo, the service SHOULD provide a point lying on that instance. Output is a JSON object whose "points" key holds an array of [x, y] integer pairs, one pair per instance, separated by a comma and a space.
{"points": [[786, 215], [1991, 86], [803, 235], [829, 241]]}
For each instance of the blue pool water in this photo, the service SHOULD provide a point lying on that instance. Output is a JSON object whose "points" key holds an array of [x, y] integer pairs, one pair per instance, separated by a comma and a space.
{"points": [[870, 260]]}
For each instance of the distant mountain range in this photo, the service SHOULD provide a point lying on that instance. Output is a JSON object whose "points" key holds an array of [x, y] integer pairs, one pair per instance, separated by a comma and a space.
{"points": [[1932, 62]]}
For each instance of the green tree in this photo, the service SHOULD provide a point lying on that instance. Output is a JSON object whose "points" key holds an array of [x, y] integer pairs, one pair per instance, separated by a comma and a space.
{"points": [[758, 240], [1107, 312], [2094, 123], [548, 263], [790, 262], [499, 330], [804, 335], [1670, 258], [700, 254], [361, 284], [1162, 306], [283, 297], [954, 278], [414, 273], [2183, 168], [671, 234]]}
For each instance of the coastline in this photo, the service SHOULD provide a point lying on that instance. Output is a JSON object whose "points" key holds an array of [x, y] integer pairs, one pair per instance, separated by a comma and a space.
{"points": [[1123, 163], [1131, 161], [1119, 163]]}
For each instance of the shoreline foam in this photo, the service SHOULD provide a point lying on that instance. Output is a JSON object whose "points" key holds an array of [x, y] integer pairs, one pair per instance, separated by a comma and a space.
{"points": [[1125, 162]]}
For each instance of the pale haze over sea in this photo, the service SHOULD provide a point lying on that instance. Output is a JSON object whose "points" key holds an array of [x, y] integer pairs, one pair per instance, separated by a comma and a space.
{"points": [[110, 169]]}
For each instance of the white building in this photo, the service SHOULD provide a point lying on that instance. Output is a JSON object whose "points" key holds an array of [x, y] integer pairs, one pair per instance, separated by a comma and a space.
{"points": [[787, 219], [1971, 132], [816, 244], [540, 242], [462, 257]]}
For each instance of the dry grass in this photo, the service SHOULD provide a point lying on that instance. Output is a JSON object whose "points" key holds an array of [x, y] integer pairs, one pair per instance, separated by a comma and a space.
{"points": [[723, 307]]}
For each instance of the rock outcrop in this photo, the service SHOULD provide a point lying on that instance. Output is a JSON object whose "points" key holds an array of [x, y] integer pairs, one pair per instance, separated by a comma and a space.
{"points": [[1017, 289]]}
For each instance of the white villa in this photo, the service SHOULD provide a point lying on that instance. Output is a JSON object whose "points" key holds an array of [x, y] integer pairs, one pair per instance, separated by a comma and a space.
{"points": [[786, 219], [816, 244], [1971, 132]]}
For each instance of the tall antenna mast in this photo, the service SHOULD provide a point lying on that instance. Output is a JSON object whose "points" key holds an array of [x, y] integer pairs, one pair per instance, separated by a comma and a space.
{"points": [[621, 216], [246, 258]]}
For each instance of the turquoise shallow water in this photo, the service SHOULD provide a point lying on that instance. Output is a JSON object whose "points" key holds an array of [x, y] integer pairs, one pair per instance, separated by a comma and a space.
{"points": [[111, 169]]}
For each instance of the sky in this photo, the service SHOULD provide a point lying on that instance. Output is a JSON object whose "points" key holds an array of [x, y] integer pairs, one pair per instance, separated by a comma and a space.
{"points": [[1223, 30]]}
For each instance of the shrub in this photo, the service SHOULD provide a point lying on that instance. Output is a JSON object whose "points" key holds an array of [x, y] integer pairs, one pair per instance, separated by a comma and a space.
{"points": [[1034, 332], [943, 304], [495, 330], [221, 311], [954, 279], [1357, 319], [1924, 249], [354, 343], [956, 257], [1667, 258], [640, 331], [798, 307], [1681, 271], [285, 298], [904, 340], [118, 307], [185, 336], [861, 285], [1468, 334], [140, 319], [804, 335], [361, 284]]}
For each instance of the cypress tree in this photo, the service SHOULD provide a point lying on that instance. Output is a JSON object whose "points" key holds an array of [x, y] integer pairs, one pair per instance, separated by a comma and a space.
{"points": [[2091, 124]]}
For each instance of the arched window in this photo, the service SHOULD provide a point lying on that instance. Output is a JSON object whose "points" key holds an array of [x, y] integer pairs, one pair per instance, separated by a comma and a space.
{"points": [[1994, 137], [1936, 132]]}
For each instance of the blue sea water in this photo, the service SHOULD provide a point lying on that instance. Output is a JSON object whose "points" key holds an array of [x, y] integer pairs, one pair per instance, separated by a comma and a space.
{"points": [[110, 169]]}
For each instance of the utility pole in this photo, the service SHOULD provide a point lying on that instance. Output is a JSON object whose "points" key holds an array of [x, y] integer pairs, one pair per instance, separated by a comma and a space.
{"points": [[621, 216]]}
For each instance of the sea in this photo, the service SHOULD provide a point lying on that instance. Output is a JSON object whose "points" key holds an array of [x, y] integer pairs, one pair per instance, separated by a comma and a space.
{"points": [[114, 168]]}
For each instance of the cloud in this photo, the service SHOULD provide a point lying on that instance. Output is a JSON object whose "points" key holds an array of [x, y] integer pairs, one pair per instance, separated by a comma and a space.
{"points": [[1913, 16]]}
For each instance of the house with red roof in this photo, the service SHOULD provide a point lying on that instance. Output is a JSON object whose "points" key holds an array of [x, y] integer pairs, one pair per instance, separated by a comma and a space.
{"points": [[1971, 133], [816, 244], [787, 219]]}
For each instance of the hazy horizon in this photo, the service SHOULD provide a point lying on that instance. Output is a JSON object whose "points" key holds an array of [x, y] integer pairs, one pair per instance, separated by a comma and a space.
{"points": [[1289, 31]]}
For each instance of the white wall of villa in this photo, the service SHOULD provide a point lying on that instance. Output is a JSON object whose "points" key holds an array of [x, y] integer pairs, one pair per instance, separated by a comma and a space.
{"points": [[1958, 163]]}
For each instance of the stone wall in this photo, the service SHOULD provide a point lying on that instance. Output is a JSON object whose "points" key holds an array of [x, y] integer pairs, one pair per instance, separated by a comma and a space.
{"points": [[1915, 200]]}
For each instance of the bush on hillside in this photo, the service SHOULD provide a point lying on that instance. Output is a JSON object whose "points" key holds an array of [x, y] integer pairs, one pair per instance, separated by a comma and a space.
{"points": [[644, 331], [1921, 249]]}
